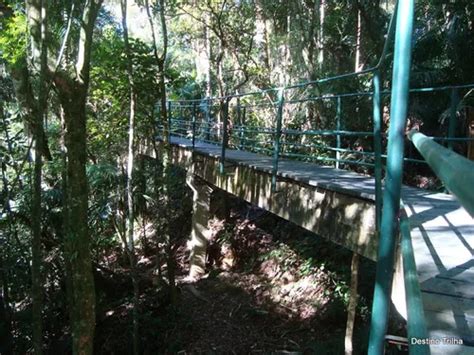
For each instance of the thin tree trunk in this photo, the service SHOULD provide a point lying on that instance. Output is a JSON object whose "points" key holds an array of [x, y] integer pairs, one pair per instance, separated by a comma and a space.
{"points": [[72, 91], [166, 153], [322, 7], [6, 337], [37, 17], [358, 41], [170, 260], [207, 35], [129, 188], [65, 227], [351, 309], [36, 251]]}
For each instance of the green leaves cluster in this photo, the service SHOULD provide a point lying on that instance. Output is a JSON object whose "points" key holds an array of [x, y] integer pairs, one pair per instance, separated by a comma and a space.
{"points": [[13, 41]]}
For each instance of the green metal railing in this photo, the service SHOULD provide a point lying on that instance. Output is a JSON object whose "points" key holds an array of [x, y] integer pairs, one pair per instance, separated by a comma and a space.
{"points": [[260, 122], [392, 191], [415, 315], [456, 172]]}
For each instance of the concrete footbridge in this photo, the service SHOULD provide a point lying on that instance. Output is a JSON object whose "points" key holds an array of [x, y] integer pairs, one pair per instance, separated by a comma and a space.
{"points": [[321, 160]]}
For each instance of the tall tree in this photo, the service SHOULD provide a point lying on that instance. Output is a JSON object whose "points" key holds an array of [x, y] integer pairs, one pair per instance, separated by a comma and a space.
{"points": [[72, 87], [130, 242], [37, 65], [161, 61]]}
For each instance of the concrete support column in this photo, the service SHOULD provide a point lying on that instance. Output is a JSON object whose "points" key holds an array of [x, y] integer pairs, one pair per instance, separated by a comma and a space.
{"points": [[200, 234]]}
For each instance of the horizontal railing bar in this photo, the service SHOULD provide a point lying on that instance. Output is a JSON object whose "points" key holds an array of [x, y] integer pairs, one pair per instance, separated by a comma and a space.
{"points": [[454, 139], [456, 172], [441, 88], [252, 147], [253, 140], [326, 133], [260, 131], [416, 327], [324, 97], [343, 150], [312, 157], [329, 97]]}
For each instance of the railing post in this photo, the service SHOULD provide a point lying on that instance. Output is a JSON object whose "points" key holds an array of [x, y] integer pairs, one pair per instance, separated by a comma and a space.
{"points": [[194, 125], [452, 116], [225, 136], [169, 121], [392, 191], [239, 118], [377, 113], [276, 145], [338, 128], [242, 129]]}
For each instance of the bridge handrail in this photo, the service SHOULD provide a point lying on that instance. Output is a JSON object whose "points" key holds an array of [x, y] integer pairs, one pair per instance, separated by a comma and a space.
{"points": [[416, 327], [456, 172], [389, 222]]}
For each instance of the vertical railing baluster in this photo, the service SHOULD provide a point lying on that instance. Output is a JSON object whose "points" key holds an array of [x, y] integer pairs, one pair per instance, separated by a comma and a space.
{"points": [[242, 127], [338, 128], [377, 113], [225, 136], [276, 146], [452, 116], [392, 190]]}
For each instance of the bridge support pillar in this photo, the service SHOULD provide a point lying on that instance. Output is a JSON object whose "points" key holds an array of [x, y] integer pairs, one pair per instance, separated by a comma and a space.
{"points": [[200, 232]]}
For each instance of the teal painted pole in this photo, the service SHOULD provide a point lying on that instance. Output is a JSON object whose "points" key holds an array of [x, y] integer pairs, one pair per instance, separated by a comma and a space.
{"points": [[338, 128], [456, 172], [377, 113], [452, 116], [276, 146], [225, 135], [194, 125], [392, 191], [416, 327]]}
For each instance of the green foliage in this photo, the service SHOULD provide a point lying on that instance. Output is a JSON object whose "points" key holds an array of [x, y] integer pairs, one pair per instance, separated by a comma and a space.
{"points": [[443, 43], [13, 40], [257, 44]]}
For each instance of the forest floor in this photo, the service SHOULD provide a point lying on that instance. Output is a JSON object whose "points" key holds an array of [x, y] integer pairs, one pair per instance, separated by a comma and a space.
{"points": [[272, 287]]}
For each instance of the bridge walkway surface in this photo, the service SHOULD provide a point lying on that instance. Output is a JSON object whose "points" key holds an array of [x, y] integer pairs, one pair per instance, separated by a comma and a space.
{"points": [[442, 236]]}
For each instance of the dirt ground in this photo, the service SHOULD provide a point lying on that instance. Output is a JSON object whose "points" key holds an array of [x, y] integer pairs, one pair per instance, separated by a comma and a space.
{"points": [[271, 288]]}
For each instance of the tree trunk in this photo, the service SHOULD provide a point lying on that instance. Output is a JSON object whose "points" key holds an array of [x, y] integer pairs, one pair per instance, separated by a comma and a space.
{"points": [[358, 41], [352, 307], [166, 152], [66, 246], [129, 189], [6, 337], [37, 17], [77, 234], [322, 6], [72, 87], [207, 39]]}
